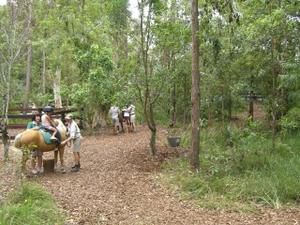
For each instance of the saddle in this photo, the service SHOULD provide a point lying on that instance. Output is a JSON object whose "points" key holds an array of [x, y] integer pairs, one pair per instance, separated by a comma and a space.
{"points": [[47, 136]]}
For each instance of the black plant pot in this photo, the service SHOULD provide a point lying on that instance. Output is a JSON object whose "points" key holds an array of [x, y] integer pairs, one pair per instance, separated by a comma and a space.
{"points": [[174, 141]]}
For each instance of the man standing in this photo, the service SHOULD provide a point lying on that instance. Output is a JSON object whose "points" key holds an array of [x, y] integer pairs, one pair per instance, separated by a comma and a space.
{"points": [[131, 110], [75, 137], [114, 112]]}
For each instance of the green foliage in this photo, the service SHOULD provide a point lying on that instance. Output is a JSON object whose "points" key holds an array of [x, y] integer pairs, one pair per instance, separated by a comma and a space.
{"points": [[243, 174], [31, 205], [291, 121]]}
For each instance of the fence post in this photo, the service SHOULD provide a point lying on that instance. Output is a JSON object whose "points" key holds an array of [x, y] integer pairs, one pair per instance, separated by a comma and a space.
{"points": [[5, 140]]}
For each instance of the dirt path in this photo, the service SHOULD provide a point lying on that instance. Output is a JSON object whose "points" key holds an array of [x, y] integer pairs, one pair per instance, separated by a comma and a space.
{"points": [[118, 185]]}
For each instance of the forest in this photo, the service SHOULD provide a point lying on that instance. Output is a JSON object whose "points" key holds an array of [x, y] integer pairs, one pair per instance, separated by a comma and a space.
{"points": [[221, 74]]}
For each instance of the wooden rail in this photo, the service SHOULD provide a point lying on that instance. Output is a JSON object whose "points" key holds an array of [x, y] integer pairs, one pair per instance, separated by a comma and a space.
{"points": [[27, 114]]}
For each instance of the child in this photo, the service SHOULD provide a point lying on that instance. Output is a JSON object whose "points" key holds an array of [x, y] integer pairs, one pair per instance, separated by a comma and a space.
{"points": [[48, 123]]}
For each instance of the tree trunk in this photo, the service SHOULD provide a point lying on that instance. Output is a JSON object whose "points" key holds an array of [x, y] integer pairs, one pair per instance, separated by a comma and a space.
{"points": [[185, 112], [251, 106], [29, 57], [56, 88], [44, 73], [173, 111], [153, 130], [99, 119], [274, 94], [5, 113], [153, 142], [195, 164], [145, 44], [28, 76]]}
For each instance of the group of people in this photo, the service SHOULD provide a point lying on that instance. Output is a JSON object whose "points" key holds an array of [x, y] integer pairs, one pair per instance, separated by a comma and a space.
{"points": [[46, 122], [120, 117], [126, 116]]}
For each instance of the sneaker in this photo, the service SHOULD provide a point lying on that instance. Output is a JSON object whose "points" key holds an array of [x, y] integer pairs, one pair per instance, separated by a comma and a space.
{"points": [[53, 138], [75, 169], [34, 172], [40, 170]]}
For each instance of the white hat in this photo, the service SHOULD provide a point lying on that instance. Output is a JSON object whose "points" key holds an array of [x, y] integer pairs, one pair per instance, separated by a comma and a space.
{"points": [[69, 116]]}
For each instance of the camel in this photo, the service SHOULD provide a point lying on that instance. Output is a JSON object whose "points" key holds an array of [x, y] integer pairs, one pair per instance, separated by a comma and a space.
{"points": [[33, 139]]}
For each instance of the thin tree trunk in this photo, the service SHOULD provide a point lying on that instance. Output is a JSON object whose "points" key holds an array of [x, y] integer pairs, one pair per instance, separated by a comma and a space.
{"points": [[195, 164], [56, 88], [28, 76], [174, 105], [153, 131], [145, 44], [251, 106], [44, 73], [29, 57], [273, 95], [5, 114], [185, 113]]}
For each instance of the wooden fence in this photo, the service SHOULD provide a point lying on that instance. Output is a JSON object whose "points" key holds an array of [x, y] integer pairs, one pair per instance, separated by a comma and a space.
{"points": [[15, 115]]}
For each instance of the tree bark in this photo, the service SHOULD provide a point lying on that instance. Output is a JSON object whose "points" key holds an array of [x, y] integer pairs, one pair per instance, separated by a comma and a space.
{"points": [[29, 55], [56, 88], [145, 44], [195, 164], [44, 73], [28, 76], [251, 106], [173, 112]]}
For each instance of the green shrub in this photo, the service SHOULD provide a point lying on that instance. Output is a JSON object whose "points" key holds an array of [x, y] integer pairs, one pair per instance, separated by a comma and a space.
{"points": [[291, 121], [30, 205], [241, 175]]}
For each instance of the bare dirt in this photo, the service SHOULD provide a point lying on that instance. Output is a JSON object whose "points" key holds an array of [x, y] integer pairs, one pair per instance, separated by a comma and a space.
{"points": [[118, 185]]}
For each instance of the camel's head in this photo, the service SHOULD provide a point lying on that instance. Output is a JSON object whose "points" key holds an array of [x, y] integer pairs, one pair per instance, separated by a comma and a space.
{"points": [[17, 142]]}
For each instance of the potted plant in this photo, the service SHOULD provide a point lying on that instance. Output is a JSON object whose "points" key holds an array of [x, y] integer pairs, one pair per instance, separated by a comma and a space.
{"points": [[174, 137]]}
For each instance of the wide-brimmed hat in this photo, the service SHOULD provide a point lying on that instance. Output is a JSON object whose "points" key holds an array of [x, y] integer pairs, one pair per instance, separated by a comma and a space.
{"points": [[69, 116]]}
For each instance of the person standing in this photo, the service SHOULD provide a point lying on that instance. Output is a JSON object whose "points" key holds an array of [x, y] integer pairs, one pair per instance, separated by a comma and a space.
{"points": [[131, 110], [74, 137], [114, 111], [126, 117], [37, 155]]}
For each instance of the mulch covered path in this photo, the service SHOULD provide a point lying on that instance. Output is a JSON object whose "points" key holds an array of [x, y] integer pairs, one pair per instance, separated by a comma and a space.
{"points": [[118, 185]]}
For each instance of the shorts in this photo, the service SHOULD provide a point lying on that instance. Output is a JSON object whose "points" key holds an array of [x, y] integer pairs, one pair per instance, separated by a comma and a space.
{"points": [[115, 121], [36, 153], [132, 118], [76, 144]]}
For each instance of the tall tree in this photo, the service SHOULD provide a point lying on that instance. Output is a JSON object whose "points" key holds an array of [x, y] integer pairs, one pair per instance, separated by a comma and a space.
{"points": [[13, 36], [29, 54], [148, 82], [195, 89]]}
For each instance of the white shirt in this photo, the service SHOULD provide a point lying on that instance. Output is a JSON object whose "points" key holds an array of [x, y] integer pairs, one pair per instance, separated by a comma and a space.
{"points": [[131, 109], [114, 111], [74, 130]]}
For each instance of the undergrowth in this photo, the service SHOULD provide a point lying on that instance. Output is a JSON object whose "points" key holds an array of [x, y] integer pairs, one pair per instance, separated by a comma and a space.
{"points": [[30, 205], [239, 170]]}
